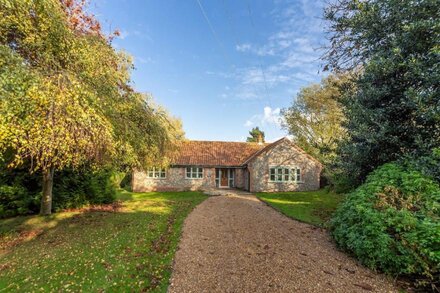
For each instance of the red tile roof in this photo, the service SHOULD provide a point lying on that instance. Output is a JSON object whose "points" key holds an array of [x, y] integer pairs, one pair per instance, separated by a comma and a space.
{"points": [[216, 153]]}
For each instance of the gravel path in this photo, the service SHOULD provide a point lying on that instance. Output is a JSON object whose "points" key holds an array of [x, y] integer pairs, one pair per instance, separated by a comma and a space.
{"points": [[236, 243]]}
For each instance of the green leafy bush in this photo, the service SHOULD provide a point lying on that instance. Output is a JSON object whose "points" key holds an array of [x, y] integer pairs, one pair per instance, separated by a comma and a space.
{"points": [[74, 189], [16, 200], [20, 192], [125, 181], [428, 165], [391, 223]]}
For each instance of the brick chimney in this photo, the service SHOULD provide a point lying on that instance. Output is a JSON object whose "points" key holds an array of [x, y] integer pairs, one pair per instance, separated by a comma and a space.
{"points": [[260, 139]]}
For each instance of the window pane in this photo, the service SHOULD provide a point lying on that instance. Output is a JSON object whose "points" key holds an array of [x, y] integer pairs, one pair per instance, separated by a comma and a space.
{"points": [[280, 177], [188, 169], [163, 174], [272, 177], [272, 171], [188, 174], [200, 175], [298, 175], [200, 170]]}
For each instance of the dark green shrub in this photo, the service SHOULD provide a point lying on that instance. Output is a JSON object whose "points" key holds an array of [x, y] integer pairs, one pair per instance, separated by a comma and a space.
{"points": [[341, 183], [16, 200], [76, 188], [125, 182], [20, 192], [391, 223], [428, 165]]}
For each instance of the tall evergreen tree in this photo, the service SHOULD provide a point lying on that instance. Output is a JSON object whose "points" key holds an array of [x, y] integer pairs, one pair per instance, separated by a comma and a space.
{"points": [[395, 110], [256, 135]]}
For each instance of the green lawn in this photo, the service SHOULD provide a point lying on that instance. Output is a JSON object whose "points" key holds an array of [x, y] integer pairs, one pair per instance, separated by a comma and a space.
{"points": [[314, 207], [126, 250]]}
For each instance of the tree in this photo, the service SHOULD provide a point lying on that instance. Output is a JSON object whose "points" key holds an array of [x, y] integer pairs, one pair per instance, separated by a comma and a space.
{"points": [[394, 111], [256, 135], [65, 95], [315, 117]]}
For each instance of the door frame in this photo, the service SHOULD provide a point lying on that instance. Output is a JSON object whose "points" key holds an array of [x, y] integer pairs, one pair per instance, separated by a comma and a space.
{"points": [[227, 178], [247, 179]]}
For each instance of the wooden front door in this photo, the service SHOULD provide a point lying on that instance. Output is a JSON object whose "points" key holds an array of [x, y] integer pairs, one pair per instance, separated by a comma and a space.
{"points": [[224, 178]]}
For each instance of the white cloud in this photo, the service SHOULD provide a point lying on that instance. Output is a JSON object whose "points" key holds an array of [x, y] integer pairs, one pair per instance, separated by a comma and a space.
{"points": [[271, 116], [286, 60], [268, 117], [258, 50], [248, 123], [294, 49], [247, 93], [220, 74], [243, 47]]}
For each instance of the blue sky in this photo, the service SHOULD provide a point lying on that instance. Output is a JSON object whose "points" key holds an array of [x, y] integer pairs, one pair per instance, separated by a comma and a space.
{"points": [[222, 66]]}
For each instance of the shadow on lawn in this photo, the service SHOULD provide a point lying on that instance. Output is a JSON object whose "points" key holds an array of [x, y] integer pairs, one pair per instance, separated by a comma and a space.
{"points": [[130, 248]]}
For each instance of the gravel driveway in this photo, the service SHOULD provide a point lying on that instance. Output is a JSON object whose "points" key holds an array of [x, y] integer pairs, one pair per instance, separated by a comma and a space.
{"points": [[236, 243]]}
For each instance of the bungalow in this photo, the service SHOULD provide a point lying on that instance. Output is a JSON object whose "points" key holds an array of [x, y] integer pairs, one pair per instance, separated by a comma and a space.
{"points": [[256, 167]]}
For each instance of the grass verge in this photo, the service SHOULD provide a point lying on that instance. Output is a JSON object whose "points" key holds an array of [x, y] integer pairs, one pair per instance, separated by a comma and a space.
{"points": [[313, 207], [126, 247]]}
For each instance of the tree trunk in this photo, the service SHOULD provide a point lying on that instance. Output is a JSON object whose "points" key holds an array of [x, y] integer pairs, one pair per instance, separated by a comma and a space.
{"points": [[46, 199]]}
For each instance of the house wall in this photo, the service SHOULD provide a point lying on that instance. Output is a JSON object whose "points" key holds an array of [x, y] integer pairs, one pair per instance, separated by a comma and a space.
{"points": [[283, 154], [239, 178], [175, 181]]}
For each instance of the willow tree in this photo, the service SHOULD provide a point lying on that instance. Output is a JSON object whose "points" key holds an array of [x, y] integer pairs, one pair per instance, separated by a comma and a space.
{"points": [[65, 94], [315, 118]]}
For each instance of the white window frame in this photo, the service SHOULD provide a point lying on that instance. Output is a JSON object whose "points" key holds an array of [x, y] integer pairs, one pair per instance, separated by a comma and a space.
{"points": [[156, 173], [194, 172], [293, 174]]}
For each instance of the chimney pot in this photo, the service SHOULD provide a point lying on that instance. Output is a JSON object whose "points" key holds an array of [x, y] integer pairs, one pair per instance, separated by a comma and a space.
{"points": [[260, 139]]}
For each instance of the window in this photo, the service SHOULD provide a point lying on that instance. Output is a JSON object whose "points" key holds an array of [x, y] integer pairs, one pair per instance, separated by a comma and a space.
{"points": [[272, 174], [284, 174], [194, 173], [217, 177], [158, 173], [298, 175], [231, 177]]}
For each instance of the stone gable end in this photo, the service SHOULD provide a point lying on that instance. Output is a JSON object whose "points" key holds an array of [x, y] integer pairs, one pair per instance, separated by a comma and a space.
{"points": [[284, 154]]}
